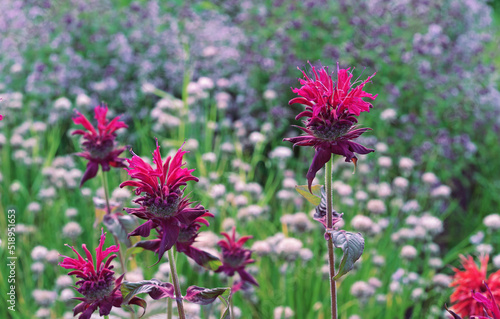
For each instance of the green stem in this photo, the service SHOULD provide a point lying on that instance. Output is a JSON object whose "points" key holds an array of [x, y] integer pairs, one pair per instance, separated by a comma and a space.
{"points": [[108, 211], [177, 287], [106, 194], [169, 305], [231, 304], [331, 253]]}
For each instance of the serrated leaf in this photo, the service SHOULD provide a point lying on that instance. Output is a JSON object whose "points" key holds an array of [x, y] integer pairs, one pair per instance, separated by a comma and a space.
{"points": [[352, 244], [314, 198], [155, 288], [203, 296]]}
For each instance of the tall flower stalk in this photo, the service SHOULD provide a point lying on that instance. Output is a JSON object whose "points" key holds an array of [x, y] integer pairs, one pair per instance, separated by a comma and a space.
{"points": [[100, 150], [331, 252], [330, 128]]}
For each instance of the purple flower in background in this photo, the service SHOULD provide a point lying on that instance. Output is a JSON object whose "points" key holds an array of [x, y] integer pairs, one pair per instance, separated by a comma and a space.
{"points": [[330, 110]]}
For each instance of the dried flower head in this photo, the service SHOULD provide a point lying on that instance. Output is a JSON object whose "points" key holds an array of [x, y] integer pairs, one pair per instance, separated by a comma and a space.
{"points": [[330, 110], [99, 144]]}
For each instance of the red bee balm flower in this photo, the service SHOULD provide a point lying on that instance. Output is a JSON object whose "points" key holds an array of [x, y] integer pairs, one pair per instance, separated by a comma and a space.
{"points": [[330, 110], [98, 285], [235, 258], [471, 279], [99, 144], [163, 204]]}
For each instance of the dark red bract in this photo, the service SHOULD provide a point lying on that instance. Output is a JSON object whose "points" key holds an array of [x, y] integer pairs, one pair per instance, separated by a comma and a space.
{"points": [[184, 244], [98, 285], [235, 258], [330, 110], [99, 145], [162, 203]]}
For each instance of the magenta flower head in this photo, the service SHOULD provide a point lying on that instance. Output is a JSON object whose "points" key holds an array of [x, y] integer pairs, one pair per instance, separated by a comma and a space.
{"points": [[99, 145], [331, 110], [163, 204], [235, 258], [97, 283]]}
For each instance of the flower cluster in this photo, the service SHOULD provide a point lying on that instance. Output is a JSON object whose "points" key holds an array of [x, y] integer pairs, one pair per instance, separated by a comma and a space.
{"points": [[330, 111], [235, 258], [470, 279], [99, 145], [163, 204], [97, 283]]}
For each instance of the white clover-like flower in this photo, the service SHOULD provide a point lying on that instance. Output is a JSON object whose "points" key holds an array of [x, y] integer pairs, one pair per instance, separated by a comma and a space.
{"points": [[432, 224], [261, 248], [362, 223], [283, 312], [484, 249], [38, 253], [417, 293], [206, 83], [289, 248], [492, 221], [385, 161], [62, 103], [83, 99], [442, 280], [270, 95], [361, 196], [388, 115], [442, 191], [409, 252], [400, 183], [376, 206], [44, 298], [256, 137], [406, 164], [361, 289], [72, 230], [429, 178]]}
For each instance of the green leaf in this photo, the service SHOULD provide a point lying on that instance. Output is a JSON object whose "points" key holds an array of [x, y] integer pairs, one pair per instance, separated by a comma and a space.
{"points": [[352, 245], [224, 298], [120, 225], [132, 251], [314, 198], [203, 296], [155, 288]]}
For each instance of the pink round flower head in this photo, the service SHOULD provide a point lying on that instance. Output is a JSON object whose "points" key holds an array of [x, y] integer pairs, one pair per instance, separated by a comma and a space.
{"points": [[331, 110]]}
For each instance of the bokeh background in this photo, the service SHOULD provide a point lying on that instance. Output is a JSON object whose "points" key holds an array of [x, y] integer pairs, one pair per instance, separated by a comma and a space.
{"points": [[217, 76]]}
